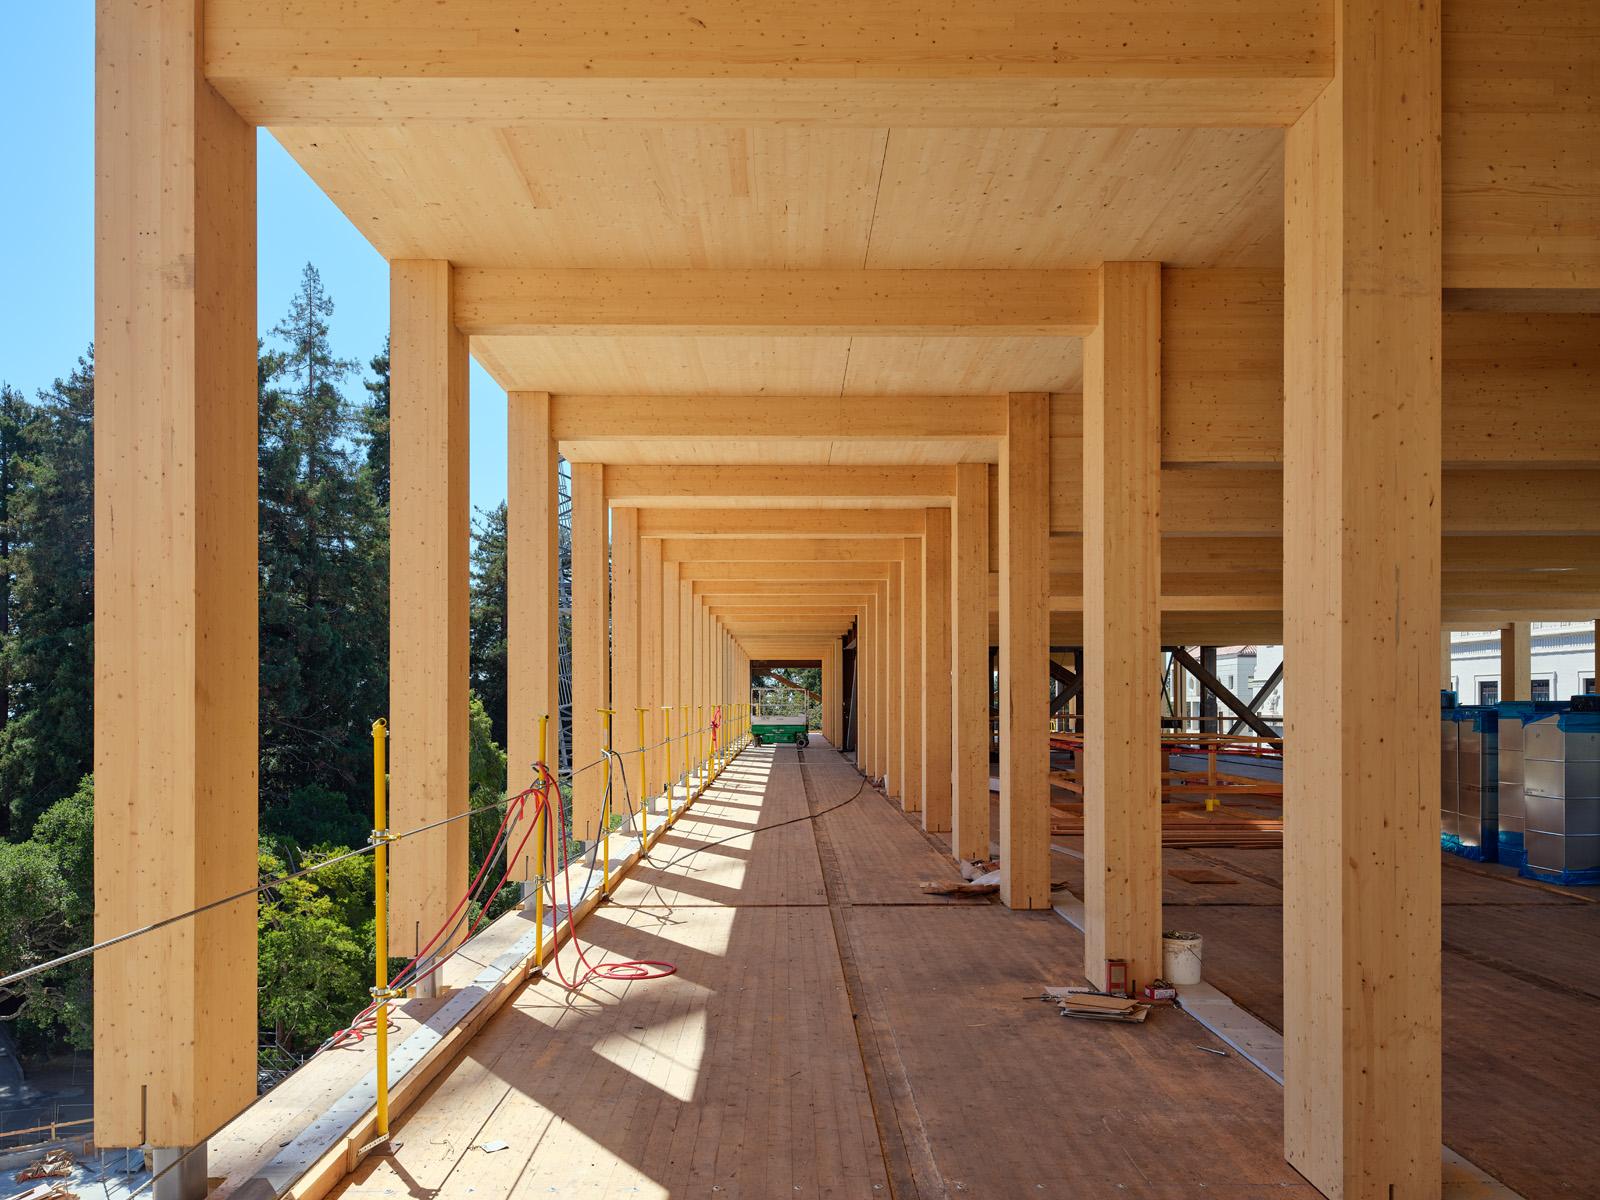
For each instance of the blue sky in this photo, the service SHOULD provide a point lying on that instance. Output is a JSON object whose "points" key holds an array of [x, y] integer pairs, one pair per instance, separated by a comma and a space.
{"points": [[47, 215]]}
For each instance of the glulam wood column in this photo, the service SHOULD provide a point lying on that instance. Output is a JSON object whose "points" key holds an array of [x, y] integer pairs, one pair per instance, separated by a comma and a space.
{"points": [[533, 598], [894, 684], [1025, 652], [1122, 624], [1516, 661], [591, 644], [936, 691], [969, 649], [625, 671], [430, 532], [648, 772], [1361, 592], [914, 685], [671, 640], [175, 663]]}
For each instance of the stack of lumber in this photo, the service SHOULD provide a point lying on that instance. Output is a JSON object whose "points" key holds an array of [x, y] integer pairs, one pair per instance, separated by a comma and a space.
{"points": [[1187, 826], [1094, 1006]]}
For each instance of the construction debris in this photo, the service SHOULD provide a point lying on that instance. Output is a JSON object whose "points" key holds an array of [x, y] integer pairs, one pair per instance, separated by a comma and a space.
{"points": [[972, 870], [47, 1191], [950, 887], [1087, 1005], [55, 1165]]}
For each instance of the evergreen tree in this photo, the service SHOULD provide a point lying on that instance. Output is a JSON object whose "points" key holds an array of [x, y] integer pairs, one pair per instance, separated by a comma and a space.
{"points": [[375, 425], [46, 744], [324, 609], [16, 419], [489, 617]]}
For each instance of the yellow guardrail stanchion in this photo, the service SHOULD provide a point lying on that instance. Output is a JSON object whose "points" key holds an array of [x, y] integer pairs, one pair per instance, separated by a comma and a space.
{"points": [[700, 746], [667, 710], [541, 815], [605, 809], [644, 786], [381, 837]]}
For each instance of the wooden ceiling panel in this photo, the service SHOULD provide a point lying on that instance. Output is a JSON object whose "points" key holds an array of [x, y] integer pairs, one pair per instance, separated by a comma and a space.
{"points": [[788, 197], [654, 196], [971, 198]]}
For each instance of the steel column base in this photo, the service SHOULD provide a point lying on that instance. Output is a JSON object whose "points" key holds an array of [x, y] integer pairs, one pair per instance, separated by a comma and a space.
{"points": [[186, 1180]]}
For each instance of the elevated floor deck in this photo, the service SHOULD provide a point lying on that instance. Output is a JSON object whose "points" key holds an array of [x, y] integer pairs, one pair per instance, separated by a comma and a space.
{"points": [[831, 1031]]}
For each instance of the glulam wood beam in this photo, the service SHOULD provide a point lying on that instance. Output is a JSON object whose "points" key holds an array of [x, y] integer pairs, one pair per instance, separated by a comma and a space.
{"points": [[969, 652], [779, 522], [1362, 510], [779, 487], [591, 642], [175, 641], [1123, 499], [936, 658], [499, 62], [533, 553], [914, 684], [751, 550], [1025, 653], [501, 301], [430, 538]]}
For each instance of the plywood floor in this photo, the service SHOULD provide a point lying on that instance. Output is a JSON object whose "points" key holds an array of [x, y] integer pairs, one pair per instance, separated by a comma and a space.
{"points": [[830, 1032], [1521, 1001]]}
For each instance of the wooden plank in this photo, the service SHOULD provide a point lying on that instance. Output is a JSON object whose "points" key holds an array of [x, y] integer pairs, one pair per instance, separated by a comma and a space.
{"points": [[781, 549], [625, 634], [1362, 419], [175, 643], [507, 301], [969, 653], [1025, 652], [1210, 65], [591, 642], [1123, 498], [430, 535]]}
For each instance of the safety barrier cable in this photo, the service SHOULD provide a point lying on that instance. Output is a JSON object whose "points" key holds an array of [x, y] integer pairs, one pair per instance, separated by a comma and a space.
{"points": [[515, 805], [279, 880]]}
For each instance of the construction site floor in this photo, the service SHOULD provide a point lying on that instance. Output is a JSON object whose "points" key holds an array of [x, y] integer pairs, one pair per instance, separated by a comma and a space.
{"points": [[830, 1031], [1521, 999]]}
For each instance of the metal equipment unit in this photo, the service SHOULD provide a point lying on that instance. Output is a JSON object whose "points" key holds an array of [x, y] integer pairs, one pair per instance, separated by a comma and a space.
{"points": [[1515, 717], [1449, 767], [1477, 823], [1561, 794], [780, 714]]}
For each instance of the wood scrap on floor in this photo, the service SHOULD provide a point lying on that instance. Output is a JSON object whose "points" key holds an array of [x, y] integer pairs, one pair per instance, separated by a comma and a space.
{"points": [[972, 869], [1199, 875], [54, 1165], [47, 1191], [1093, 1006]]}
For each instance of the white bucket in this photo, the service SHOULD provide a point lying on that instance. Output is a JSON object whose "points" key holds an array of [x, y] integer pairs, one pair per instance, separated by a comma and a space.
{"points": [[1180, 957]]}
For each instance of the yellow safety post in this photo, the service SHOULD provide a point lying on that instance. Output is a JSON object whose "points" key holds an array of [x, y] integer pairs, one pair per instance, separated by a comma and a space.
{"points": [[644, 786], [605, 811], [700, 746], [381, 837], [667, 709], [540, 837]]}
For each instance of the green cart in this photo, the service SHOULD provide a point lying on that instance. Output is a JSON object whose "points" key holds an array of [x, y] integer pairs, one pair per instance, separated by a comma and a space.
{"points": [[779, 714]]}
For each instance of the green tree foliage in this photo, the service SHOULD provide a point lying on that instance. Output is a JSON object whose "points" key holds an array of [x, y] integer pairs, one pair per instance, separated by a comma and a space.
{"points": [[489, 617], [324, 584], [316, 944], [324, 614], [46, 910], [48, 654]]}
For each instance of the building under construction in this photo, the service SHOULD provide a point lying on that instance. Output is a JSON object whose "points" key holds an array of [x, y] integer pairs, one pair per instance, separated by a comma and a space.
{"points": [[995, 359]]}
